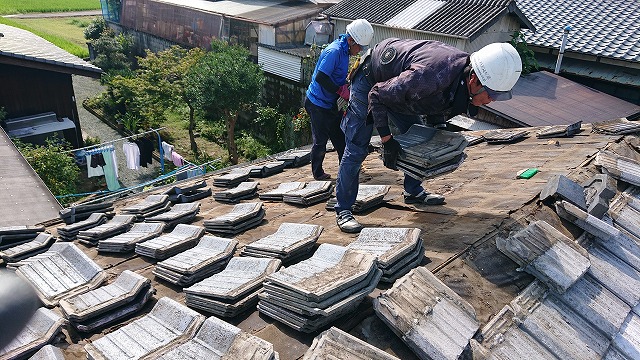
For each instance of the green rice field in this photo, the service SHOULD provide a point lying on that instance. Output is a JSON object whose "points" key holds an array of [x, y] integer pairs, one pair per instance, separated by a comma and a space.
{"points": [[42, 6]]}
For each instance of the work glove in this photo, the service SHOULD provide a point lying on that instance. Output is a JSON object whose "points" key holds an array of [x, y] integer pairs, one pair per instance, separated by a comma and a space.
{"points": [[391, 150], [343, 91]]}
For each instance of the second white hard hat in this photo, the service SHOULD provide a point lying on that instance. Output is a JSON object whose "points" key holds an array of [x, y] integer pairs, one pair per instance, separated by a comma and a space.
{"points": [[361, 31], [498, 66]]}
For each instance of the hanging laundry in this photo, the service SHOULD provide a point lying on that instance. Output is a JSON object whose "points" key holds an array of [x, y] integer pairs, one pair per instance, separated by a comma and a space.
{"points": [[97, 160], [132, 154], [111, 170], [146, 151], [177, 159], [168, 151], [93, 171]]}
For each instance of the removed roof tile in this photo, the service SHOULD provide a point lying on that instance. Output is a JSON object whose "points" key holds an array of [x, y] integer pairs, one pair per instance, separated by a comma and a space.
{"points": [[48, 352], [561, 187], [620, 167], [42, 328], [335, 343], [616, 127], [36, 246], [290, 241]]}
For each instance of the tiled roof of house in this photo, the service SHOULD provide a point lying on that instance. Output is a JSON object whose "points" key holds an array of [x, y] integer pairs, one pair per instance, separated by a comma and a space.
{"points": [[19, 44], [461, 18], [607, 28]]}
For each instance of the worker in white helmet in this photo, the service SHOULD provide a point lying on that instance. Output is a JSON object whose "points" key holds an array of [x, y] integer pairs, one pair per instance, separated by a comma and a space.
{"points": [[327, 83], [403, 79]]}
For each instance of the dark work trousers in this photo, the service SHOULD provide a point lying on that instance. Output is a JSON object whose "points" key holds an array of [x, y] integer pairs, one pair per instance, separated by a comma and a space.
{"points": [[325, 125]]}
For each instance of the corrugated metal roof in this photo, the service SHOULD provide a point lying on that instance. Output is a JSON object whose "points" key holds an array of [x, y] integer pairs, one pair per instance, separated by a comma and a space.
{"points": [[607, 28], [461, 18], [24, 45], [543, 99]]}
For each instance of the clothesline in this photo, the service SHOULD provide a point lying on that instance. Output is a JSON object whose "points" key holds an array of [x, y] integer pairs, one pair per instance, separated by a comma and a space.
{"points": [[116, 140]]}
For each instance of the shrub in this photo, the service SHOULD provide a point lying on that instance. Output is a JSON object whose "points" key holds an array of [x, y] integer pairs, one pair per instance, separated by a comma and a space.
{"points": [[250, 148], [95, 28], [529, 63]]}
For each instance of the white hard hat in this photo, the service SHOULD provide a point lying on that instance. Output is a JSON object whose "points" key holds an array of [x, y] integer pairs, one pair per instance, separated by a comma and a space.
{"points": [[497, 65], [361, 31]]}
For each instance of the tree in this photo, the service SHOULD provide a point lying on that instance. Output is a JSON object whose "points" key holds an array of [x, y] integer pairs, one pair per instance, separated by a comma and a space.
{"points": [[56, 168], [529, 63], [224, 82]]}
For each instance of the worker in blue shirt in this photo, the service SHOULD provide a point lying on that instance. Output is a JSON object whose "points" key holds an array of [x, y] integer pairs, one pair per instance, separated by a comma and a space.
{"points": [[328, 82]]}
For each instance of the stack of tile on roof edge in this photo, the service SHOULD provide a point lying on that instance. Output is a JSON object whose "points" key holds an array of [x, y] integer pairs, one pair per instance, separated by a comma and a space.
{"points": [[369, 196], [188, 193], [559, 130], [149, 206], [117, 225], [70, 232], [235, 289], [430, 152], [335, 343], [105, 305], [313, 193], [182, 237], [178, 214], [278, 193], [218, 339], [126, 242], [295, 158], [207, 258], [15, 235], [289, 243], [40, 244], [244, 190], [434, 321], [311, 294], [266, 170], [616, 127], [504, 136], [620, 167], [43, 327], [77, 213], [398, 250], [168, 324], [242, 217], [231, 179], [62, 271], [547, 254], [48, 352]]}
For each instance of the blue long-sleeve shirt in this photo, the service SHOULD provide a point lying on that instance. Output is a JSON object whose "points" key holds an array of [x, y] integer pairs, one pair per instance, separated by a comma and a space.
{"points": [[334, 62]]}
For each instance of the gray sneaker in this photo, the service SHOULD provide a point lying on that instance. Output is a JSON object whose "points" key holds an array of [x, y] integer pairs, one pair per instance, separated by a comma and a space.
{"points": [[424, 198], [347, 223]]}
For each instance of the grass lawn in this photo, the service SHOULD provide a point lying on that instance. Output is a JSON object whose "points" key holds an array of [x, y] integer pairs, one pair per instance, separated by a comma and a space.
{"points": [[36, 6], [66, 33]]}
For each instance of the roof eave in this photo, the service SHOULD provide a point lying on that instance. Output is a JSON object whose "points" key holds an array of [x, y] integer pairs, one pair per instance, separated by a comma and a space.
{"points": [[41, 65], [524, 21], [397, 27]]}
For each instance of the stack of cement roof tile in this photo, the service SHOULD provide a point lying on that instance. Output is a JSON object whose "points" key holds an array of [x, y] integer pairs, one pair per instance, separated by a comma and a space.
{"points": [[620, 167], [313, 193], [178, 214], [313, 293], [472, 139], [244, 190], [429, 151], [235, 289], [278, 193], [168, 324], [289, 243], [616, 127], [36, 246], [369, 196], [208, 257], [77, 213], [559, 131], [504, 136], [43, 327], [183, 237], [117, 225], [625, 211], [188, 193], [434, 321], [295, 158], [335, 343], [62, 271], [11, 236], [69, 232], [55, 247], [398, 250], [48, 352], [233, 178], [107, 304], [242, 217], [218, 339], [266, 170], [126, 242], [546, 253], [150, 206]]}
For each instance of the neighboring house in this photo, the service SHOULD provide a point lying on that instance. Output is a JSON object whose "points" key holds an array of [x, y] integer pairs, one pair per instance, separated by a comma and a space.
{"points": [[37, 89], [466, 24], [603, 46]]}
